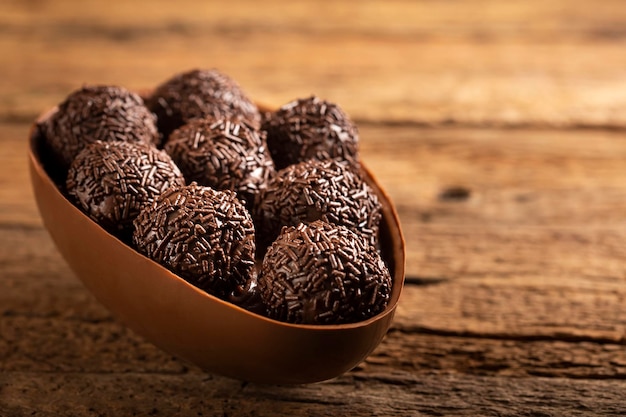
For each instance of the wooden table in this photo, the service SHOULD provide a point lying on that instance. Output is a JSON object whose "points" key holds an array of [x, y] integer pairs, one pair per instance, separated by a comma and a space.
{"points": [[497, 127]]}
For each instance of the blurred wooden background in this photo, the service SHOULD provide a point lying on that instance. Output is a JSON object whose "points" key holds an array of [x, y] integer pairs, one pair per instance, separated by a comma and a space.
{"points": [[497, 127]]}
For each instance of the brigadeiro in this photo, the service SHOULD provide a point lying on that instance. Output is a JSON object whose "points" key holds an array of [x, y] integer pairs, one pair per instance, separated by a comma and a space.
{"points": [[111, 181], [226, 154], [320, 273], [203, 235], [198, 94], [310, 128], [317, 190], [105, 113]]}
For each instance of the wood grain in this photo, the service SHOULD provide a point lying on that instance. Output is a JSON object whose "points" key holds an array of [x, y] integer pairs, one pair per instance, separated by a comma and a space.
{"points": [[400, 394], [480, 63], [497, 129]]}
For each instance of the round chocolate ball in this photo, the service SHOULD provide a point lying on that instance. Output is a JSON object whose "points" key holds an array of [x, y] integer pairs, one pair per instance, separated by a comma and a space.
{"points": [[112, 181], [105, 113], [328, 190], [310, 128], [198, 94], [225, 154], [320, 273], [203, 235]]}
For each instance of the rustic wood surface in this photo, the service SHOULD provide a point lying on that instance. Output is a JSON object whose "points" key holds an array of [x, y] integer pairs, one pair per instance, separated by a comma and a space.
{"points": [[497, 127]]}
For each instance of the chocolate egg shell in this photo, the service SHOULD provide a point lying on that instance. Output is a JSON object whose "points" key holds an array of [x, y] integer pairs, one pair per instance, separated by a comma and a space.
{"points": [[199, 93], [100, 112], [186, 321]]}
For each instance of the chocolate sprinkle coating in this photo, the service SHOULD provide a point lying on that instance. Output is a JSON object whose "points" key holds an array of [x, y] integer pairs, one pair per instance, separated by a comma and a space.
{"points": [[225, 154], [203, 235], [105, 113], [317, 190], [199, 94], [310, 128], [323, 274], [112, 181]]}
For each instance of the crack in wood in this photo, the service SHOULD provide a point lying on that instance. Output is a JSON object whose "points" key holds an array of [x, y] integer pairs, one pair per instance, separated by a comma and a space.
{"points": [[556, 337]]}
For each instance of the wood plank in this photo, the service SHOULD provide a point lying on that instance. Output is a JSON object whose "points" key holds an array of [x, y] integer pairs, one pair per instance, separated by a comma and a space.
{"points": [[525, 19], [525, 177], [515, 297], [559, 257], [73, 394], [39, 343], [518, 64], [17, 204], [420, 352], [482, 308]]}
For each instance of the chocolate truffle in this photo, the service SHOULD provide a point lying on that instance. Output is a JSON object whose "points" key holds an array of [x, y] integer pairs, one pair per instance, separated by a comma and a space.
{"points": [[320, 273], [203, 235], [198, 94], [317, 190], [105, 113], [111, 181], [225, 154], [310, 128]]}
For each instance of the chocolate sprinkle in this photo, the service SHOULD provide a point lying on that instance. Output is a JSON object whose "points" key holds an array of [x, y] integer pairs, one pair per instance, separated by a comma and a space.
{"points": [[199, 94], [323, 274], [112, 181], [203, 235], [225, 154], [317, 190], [310, 128], [105, 113]]}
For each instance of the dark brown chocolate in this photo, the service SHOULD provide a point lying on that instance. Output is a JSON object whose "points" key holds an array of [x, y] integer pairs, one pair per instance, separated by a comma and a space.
{"points": [[203, 235], [112, 181], [317, 190], [248, 296], [105, 113], [320, 273], [198, 94], [226, 154], [310, 128]]}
